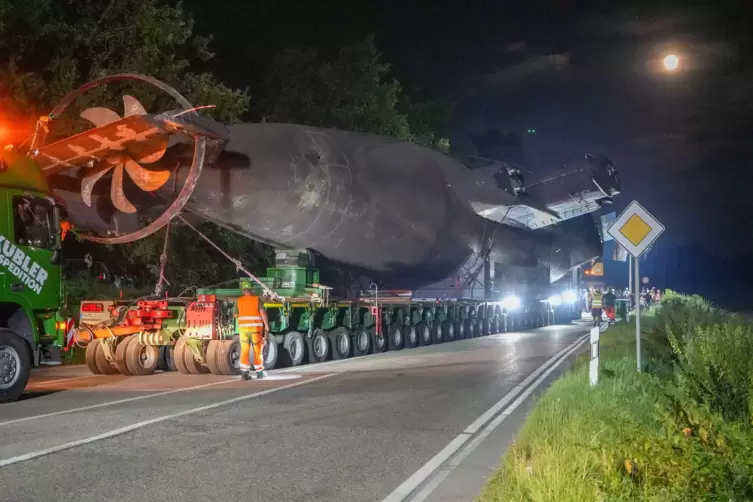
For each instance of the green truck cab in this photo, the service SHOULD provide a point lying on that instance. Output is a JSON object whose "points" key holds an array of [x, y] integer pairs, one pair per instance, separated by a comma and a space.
{"points": [[31, 329]]}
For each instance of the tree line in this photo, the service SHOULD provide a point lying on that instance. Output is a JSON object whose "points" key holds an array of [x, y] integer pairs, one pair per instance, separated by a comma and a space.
{"points": [[48, 48]]}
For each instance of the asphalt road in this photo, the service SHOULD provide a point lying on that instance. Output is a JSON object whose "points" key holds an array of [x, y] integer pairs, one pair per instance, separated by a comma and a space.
{"points": [[410, 425]]}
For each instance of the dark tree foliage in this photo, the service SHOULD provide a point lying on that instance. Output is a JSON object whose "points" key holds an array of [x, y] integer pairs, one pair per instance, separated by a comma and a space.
{"points": [[48, 48]]}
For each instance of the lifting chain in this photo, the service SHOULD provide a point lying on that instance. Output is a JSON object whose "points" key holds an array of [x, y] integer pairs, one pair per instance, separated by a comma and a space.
{"points": [[162, 263], [238, 265]]}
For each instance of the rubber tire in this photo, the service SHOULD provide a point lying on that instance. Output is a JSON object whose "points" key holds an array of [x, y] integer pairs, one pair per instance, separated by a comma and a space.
{"points": [[188, 363], [486, 327], [170, 358], [378, 343], [448, 331], [396, 338], [321, 336], [102, 363], [293, 358], [212, 360], [224, 356], [467, 328], [437, 333], [337, 335], [361, 342], [476, 328], [410, 337], [16, 343], [459, 330], [424, 334], [178, 356], [162, 365], [121, 355], [270, 353], [91, 351], [133, 358]]}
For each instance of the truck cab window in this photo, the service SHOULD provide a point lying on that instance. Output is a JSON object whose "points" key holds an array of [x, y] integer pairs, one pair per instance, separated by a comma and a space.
{"points": [[34, 222]]}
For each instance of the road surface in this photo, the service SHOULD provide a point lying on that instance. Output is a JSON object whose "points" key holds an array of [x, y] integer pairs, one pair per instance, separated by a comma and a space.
{"points": [[422, 424]]}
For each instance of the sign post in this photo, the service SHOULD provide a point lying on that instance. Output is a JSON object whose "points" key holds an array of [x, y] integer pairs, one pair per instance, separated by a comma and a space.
{"points": [[636, 230], [593, 368]]}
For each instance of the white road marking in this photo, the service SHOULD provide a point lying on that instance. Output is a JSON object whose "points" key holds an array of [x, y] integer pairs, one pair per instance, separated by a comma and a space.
{"points": [[117, 432], [465, 452], [112, 403], [404, 491]]}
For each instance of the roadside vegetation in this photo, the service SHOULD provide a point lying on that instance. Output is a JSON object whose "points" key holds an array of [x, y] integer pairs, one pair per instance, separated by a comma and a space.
{"points": [[681, 430]]}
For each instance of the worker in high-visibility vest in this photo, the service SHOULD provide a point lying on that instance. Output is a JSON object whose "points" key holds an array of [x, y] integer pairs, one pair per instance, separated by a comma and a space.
{"points": [[597, 303], [253, 328]]}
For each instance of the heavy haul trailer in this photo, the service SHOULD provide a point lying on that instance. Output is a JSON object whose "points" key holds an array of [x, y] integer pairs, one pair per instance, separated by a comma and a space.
{"points": [[199, 335]]}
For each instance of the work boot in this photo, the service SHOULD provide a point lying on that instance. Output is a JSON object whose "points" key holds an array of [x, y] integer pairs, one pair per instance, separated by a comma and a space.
{"points": [[260, 375], [245, 375]]}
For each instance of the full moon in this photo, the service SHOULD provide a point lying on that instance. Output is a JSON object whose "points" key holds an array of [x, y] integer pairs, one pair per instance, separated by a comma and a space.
{"points": [[671, 62]]}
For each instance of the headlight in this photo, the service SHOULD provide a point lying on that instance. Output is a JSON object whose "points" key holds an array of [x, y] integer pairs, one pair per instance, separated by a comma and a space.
{"points": [[569, 297], [511, 302], [555, 301]]}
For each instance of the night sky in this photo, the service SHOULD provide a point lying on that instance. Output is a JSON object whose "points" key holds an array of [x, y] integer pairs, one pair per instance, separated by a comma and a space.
{"points": [[586, 75]]}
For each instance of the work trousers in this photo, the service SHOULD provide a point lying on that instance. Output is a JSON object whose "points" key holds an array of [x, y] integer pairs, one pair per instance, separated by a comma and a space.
{"points": [[252, 339]]}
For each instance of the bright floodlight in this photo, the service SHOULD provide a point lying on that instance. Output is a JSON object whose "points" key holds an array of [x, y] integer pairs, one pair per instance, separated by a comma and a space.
{"points": [[671, 62], [569, 296], [555, 301], [511, 302]]}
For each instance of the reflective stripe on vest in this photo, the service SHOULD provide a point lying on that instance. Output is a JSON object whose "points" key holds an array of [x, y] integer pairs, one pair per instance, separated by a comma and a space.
{"points": [[249, 315], [596, 302]]}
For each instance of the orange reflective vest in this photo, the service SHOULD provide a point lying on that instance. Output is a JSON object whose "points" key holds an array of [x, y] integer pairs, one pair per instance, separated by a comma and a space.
{"points": [[249, 314]]}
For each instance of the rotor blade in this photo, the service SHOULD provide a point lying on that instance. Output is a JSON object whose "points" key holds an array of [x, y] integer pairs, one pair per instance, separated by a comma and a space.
{"points": [[150, 151], [132, 106], [146, 180], [100, 116], [117, 194], [87, 184]]}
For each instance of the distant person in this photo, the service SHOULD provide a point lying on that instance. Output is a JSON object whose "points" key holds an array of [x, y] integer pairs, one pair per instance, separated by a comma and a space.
{"points": [[609, 302], [647, 298], [597, 304]]}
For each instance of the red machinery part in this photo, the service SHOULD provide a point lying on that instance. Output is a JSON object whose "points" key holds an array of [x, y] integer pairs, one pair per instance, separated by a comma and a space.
{"points": [[149, 314], [201, 318]]}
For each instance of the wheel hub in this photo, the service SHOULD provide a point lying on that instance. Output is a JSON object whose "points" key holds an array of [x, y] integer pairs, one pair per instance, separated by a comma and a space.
{"points": [[363, 341], [342, 342], [9, 364], [319, 348]]}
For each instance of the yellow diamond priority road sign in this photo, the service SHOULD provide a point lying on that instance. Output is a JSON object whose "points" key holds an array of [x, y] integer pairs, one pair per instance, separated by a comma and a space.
{"points": [[636, 229]]}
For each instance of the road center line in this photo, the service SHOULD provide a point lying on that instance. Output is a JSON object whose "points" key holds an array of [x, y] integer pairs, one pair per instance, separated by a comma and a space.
{"points": [[117, 432], [403, 491]]}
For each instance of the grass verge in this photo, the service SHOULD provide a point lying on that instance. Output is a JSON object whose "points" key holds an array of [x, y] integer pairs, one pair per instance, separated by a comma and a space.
{"points": [[660, 435]]}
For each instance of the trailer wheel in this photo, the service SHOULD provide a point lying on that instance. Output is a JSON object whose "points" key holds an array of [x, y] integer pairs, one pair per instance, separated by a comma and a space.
{"points": [[448, 330], [319, 346], [410, 337], [378, 340], [179, 356], [162, 365], [342, 345], [437, 333], [396, 338], [212, 360], [228, 356], [102, 363], [120, 355], [141, 359], [15, 367], [494, 325], [361, 342], [91, 356], [459, 330], [293, 348], [270, 353], [476, 328], [467, 328], [486, 326], [170, 358], [424, 333]]}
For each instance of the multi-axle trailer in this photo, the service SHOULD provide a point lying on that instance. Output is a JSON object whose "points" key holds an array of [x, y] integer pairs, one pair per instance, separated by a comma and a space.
{"points": [[199, 334]]}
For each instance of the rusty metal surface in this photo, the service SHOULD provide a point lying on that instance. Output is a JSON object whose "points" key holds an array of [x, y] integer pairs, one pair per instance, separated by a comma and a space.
{"points": [[134, 128]]}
